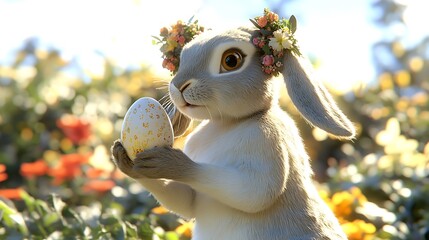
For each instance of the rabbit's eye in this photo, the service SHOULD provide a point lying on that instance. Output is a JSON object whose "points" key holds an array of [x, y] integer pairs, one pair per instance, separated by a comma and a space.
{"points": [[232, 59]]}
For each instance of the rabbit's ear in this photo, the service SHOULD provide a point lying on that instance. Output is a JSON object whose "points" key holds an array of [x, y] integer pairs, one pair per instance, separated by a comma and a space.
{"points": [[313, 100], [180, 122]]}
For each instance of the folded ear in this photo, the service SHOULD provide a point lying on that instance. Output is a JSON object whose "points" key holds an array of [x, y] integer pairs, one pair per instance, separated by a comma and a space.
{"points": [[180, 122], [313, 100]]}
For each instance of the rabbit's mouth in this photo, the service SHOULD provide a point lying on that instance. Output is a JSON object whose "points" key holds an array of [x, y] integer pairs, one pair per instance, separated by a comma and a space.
{"points": [[190, 105]]}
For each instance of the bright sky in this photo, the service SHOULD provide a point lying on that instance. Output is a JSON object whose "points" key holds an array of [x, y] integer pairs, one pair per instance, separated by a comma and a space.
{"points": [[339, 33]]}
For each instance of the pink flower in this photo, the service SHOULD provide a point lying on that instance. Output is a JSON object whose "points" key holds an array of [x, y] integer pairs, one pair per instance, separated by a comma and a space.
{"points": [[262, 21], [164, 63], [181, 40], [170, 66], [256, 41], [267, 70], [261, 44], [268, 60]]}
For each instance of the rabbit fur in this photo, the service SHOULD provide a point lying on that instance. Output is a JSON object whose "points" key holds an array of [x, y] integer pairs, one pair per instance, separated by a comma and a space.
{"points": [[244, 172]]}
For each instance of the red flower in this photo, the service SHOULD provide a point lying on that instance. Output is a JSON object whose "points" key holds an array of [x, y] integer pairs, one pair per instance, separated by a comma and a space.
{"points": [[75, 129], [3, 175], [11, 193], [37, 168], [100, 186]]}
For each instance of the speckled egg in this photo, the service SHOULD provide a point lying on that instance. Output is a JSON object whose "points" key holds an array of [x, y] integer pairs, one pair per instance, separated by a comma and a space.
{"points": [[146, 125]]}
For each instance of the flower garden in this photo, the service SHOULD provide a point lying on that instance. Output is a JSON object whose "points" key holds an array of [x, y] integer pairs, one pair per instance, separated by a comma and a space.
{"points": [[57, 180]]}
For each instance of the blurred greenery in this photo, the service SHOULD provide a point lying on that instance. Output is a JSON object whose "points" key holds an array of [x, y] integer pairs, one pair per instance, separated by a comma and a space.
{"points": [[58, 120]]}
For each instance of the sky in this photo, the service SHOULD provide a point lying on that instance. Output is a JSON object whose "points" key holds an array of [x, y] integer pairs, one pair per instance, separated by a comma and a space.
{"points": [[338, 33]]}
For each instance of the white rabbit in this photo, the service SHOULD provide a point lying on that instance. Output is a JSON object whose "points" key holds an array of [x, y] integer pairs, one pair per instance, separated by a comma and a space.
{"points": [[244, 172]]}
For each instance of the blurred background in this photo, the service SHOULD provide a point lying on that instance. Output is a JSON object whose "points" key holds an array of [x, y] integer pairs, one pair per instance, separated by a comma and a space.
{"points": [[69, 70]]}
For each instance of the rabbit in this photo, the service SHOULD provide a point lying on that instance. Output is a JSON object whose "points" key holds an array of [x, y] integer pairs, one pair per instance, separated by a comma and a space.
{"points": [[244, 172]]}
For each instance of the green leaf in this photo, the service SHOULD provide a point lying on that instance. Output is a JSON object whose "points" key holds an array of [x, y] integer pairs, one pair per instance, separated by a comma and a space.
{"points": [[56, 203], [158, 39], [29, 201], [266, 32], [50, 219], [292, 23], [131, 230], [255, 23], [6, 211], [190, 20], [171, 236], [266, 49]]}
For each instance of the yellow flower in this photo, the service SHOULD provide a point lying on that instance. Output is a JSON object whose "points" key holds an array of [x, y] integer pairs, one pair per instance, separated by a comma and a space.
{"points": [[358, 230], [171, 44], [357, 193], [342, 203], [185, 229]]}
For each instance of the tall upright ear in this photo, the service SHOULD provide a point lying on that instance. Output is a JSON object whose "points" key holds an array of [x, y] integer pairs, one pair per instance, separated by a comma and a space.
{"points": [[180, 122], [312, 99]]}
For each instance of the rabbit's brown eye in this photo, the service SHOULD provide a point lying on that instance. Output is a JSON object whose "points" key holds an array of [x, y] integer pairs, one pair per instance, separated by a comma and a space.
{"points": [[232, 59]]}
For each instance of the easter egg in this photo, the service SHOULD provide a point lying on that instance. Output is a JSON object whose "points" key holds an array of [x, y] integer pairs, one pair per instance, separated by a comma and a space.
{"points": [[146, 125]]}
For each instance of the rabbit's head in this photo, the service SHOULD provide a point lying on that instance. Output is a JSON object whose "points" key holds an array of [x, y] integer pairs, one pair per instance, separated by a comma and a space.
{"points": [[220, 77]]}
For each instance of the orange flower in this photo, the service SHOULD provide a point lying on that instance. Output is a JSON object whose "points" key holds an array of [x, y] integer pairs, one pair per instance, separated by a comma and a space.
{"points": [[94, 172], [100, 186], [74, 159], [160, 210], [3, 175], [75, 129], [68, 168], [11, 193], [262, 21], [37, 168]]}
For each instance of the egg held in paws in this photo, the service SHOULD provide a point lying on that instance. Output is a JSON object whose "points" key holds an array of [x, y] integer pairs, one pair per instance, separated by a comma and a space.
{"points": [[146, 125]]}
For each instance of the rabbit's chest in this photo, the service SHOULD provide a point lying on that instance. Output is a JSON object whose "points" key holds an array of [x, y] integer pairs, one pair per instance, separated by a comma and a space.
{"points": [[214, 146]]}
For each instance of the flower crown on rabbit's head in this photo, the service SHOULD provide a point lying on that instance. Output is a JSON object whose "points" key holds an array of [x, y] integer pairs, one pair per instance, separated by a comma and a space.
{"points": [[275, 37], [173, 39]]}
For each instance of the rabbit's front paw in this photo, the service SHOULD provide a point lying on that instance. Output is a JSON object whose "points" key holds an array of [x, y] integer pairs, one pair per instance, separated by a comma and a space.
{"points": [[122, 161], [164, 162]]}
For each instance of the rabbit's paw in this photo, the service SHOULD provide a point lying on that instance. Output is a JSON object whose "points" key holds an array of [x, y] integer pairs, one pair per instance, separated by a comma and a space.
{"points": [[122, 161], [164, 162]]}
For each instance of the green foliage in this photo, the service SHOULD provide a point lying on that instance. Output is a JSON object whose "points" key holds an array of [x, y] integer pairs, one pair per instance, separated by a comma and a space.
{"points": [[54, 219]]}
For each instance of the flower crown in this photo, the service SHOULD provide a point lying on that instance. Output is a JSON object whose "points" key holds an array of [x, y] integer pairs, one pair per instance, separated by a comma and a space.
{"points": [[173, 39], [274, 39], [276, 36]]}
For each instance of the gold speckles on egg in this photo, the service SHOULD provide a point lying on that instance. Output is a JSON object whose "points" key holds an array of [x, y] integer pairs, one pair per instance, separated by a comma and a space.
{"points": [[146, 125]]}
